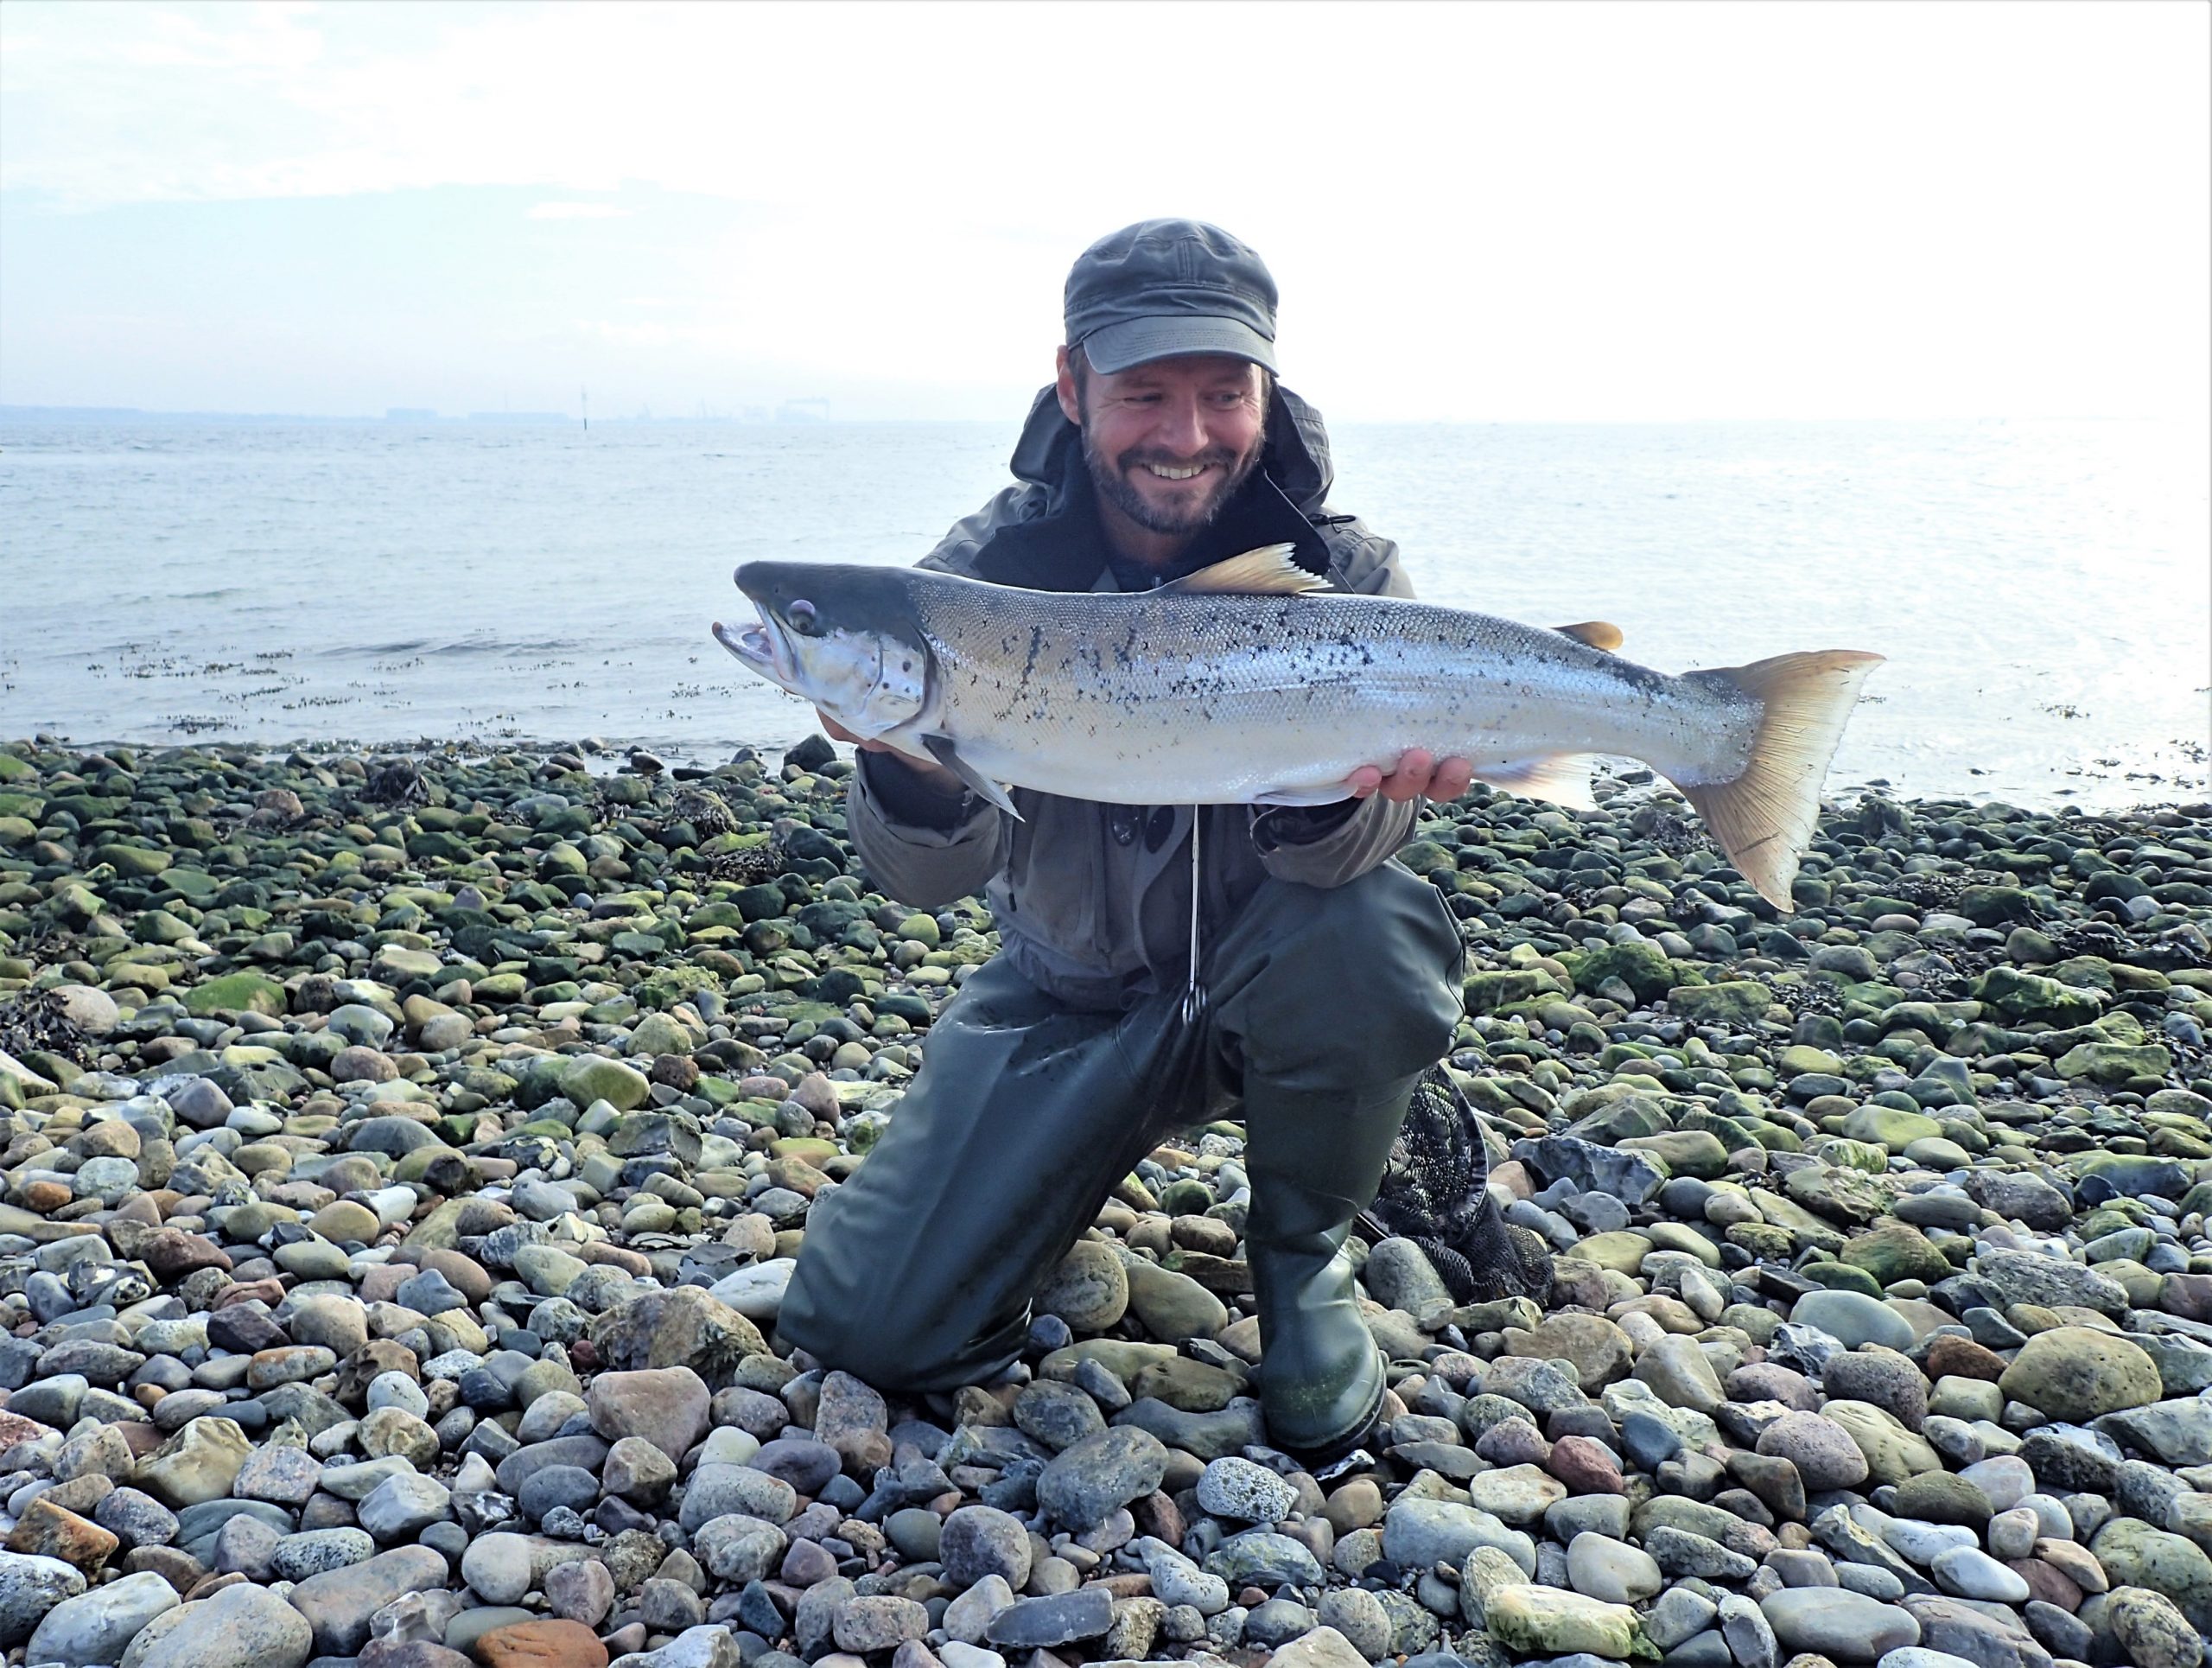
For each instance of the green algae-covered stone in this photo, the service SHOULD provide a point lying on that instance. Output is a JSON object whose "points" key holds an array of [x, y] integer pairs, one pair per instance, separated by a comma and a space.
{"points": [[1732, 1002], [2078, 1373], [1639, 964], [237, 993], [588, 1078], [2114, 1062]]}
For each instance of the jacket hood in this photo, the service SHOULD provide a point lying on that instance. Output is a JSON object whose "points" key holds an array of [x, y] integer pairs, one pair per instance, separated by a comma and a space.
{"points": [[1296, 458]]}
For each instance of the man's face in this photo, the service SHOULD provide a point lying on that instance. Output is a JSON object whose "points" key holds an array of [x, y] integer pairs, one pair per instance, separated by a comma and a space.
{"points": [[1169, 443]]}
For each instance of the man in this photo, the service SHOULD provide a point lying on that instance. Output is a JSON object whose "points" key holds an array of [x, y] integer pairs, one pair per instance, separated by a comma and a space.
{"points": [[1163, 446]]}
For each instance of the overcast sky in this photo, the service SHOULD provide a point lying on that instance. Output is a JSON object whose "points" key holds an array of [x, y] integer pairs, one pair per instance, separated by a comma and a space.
{"points": [[1482, 212]]}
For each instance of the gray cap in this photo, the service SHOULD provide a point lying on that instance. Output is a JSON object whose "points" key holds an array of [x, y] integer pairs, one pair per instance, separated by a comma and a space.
{"points": [[1163, 288]]}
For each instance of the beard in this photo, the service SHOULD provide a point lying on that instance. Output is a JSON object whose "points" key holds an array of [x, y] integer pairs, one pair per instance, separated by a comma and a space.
{"points": [[1112, 477]]}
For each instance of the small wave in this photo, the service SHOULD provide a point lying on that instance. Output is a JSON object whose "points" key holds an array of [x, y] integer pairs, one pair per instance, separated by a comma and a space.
{"points": [[346, 650]]}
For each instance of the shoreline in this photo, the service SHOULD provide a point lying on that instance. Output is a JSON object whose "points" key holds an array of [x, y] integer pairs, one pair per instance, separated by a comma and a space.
{"points": [[400, 1164], [687, 759]]}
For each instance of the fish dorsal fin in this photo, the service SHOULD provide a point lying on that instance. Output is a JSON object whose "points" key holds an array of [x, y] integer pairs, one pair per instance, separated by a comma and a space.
{"points": [[1562, 777], [1268, 571], [1594, 633]]}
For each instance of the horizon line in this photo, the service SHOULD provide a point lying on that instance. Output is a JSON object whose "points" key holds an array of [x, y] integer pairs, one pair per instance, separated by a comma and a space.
{"points": [[403, 415]]}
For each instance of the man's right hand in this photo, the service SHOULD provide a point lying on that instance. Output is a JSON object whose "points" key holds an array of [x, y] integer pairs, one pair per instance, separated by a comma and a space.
{"points": [[935, 775]]}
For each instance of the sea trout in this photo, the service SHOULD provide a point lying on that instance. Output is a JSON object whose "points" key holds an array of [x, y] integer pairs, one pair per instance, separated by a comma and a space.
{"points": [[1246, 683]]}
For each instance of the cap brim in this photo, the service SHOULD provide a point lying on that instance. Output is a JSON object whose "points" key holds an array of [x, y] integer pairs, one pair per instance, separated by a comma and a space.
{"points": [[1140, 342]]}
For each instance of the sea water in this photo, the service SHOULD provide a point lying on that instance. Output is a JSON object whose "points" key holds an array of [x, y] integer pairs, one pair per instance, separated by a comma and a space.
{"points": [[2040, 588]]}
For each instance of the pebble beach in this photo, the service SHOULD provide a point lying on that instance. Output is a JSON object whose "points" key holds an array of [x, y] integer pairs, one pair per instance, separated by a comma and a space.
{"points": [[401, 1160]]}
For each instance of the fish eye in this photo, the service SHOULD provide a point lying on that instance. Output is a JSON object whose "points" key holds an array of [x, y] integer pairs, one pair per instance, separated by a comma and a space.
{"points": [[804, 619]]}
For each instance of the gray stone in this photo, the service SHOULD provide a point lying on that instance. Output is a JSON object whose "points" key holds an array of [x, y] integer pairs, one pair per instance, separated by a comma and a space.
{"points": [[1822, 1450], [711, 1646], [1631, 1177], [1056, 1618], [316, 1550], [968, 1616], [401, 1507], [1417, 1533], [1259, 1557], [1235, 1487], [1679, 1614], [96, 1627], [2027, 1277], [1679, 1553], [338, 1603], [1971, 1573], [1177, 1582], [1210, 1436], [1853, 1319], [1612, 1570], [1845, 1626], [739, 1549], [29, 1586], [1084, 1484], [1059, 1416], [716, 1491], [1357, 1616], [2179, 1431], [241, 1627], [977, 1541], [879, 1625], [1750, 1637]]}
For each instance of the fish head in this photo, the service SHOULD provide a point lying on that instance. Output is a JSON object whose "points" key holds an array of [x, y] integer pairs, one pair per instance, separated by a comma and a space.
{"points": [[840, 635]]}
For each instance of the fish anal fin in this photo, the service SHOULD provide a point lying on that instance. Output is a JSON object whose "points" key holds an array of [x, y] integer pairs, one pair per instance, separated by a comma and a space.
{"points": [[1765, 816], [1594, 633], [945, 753], [1562, 777], [1266, 571]]}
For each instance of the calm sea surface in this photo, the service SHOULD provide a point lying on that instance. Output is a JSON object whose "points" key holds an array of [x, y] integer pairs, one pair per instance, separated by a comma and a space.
{"points": [[2041, 589]]}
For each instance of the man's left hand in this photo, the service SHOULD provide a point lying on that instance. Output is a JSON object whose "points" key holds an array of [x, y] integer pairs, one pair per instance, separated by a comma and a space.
{"points": [[1420, 774]]}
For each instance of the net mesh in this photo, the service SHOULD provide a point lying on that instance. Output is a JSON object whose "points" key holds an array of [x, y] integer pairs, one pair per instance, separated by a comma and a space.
{"points": [[1433, 1194]]}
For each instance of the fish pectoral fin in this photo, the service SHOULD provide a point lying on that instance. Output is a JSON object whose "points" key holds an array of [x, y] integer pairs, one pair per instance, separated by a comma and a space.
{"points": [[1268, 571], [1600, 635], [1562, 777], [1301, 796], [945, 753]]}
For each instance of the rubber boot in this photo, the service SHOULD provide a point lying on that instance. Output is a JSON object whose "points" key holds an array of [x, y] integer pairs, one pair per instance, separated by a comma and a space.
{"points": [[1315, 1163]]}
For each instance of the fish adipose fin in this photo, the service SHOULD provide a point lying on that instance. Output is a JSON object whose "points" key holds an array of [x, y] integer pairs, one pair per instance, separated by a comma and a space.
{"points": [[1594, 633], [1765, 817], [1268, 571], [945, 753], [1562, 778]]}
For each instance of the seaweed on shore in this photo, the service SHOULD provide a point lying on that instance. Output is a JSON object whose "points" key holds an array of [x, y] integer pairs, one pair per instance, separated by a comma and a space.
{"points": [[37, 1022]]}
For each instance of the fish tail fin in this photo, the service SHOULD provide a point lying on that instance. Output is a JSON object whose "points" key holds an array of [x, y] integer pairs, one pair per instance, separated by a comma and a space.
{"points": [[1765, 816]]}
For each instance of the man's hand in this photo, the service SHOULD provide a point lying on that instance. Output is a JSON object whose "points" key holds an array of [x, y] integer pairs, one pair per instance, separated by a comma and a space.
{"points": [[1420, 773], [936, 775]]}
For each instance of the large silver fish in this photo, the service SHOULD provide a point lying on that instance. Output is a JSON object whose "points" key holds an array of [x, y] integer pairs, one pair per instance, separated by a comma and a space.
{"points": [[1245, 683]]}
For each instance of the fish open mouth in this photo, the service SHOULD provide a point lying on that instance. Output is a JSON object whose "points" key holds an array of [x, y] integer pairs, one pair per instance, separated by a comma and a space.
{"points": [[760, 646]]}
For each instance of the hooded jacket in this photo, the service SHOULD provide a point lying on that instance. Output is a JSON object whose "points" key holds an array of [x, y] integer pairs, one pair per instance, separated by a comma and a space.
{"points": [[1093, 900]]}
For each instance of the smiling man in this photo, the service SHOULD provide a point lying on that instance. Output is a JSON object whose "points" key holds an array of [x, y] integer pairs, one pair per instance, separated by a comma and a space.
{"points": [[1164, 445]]}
